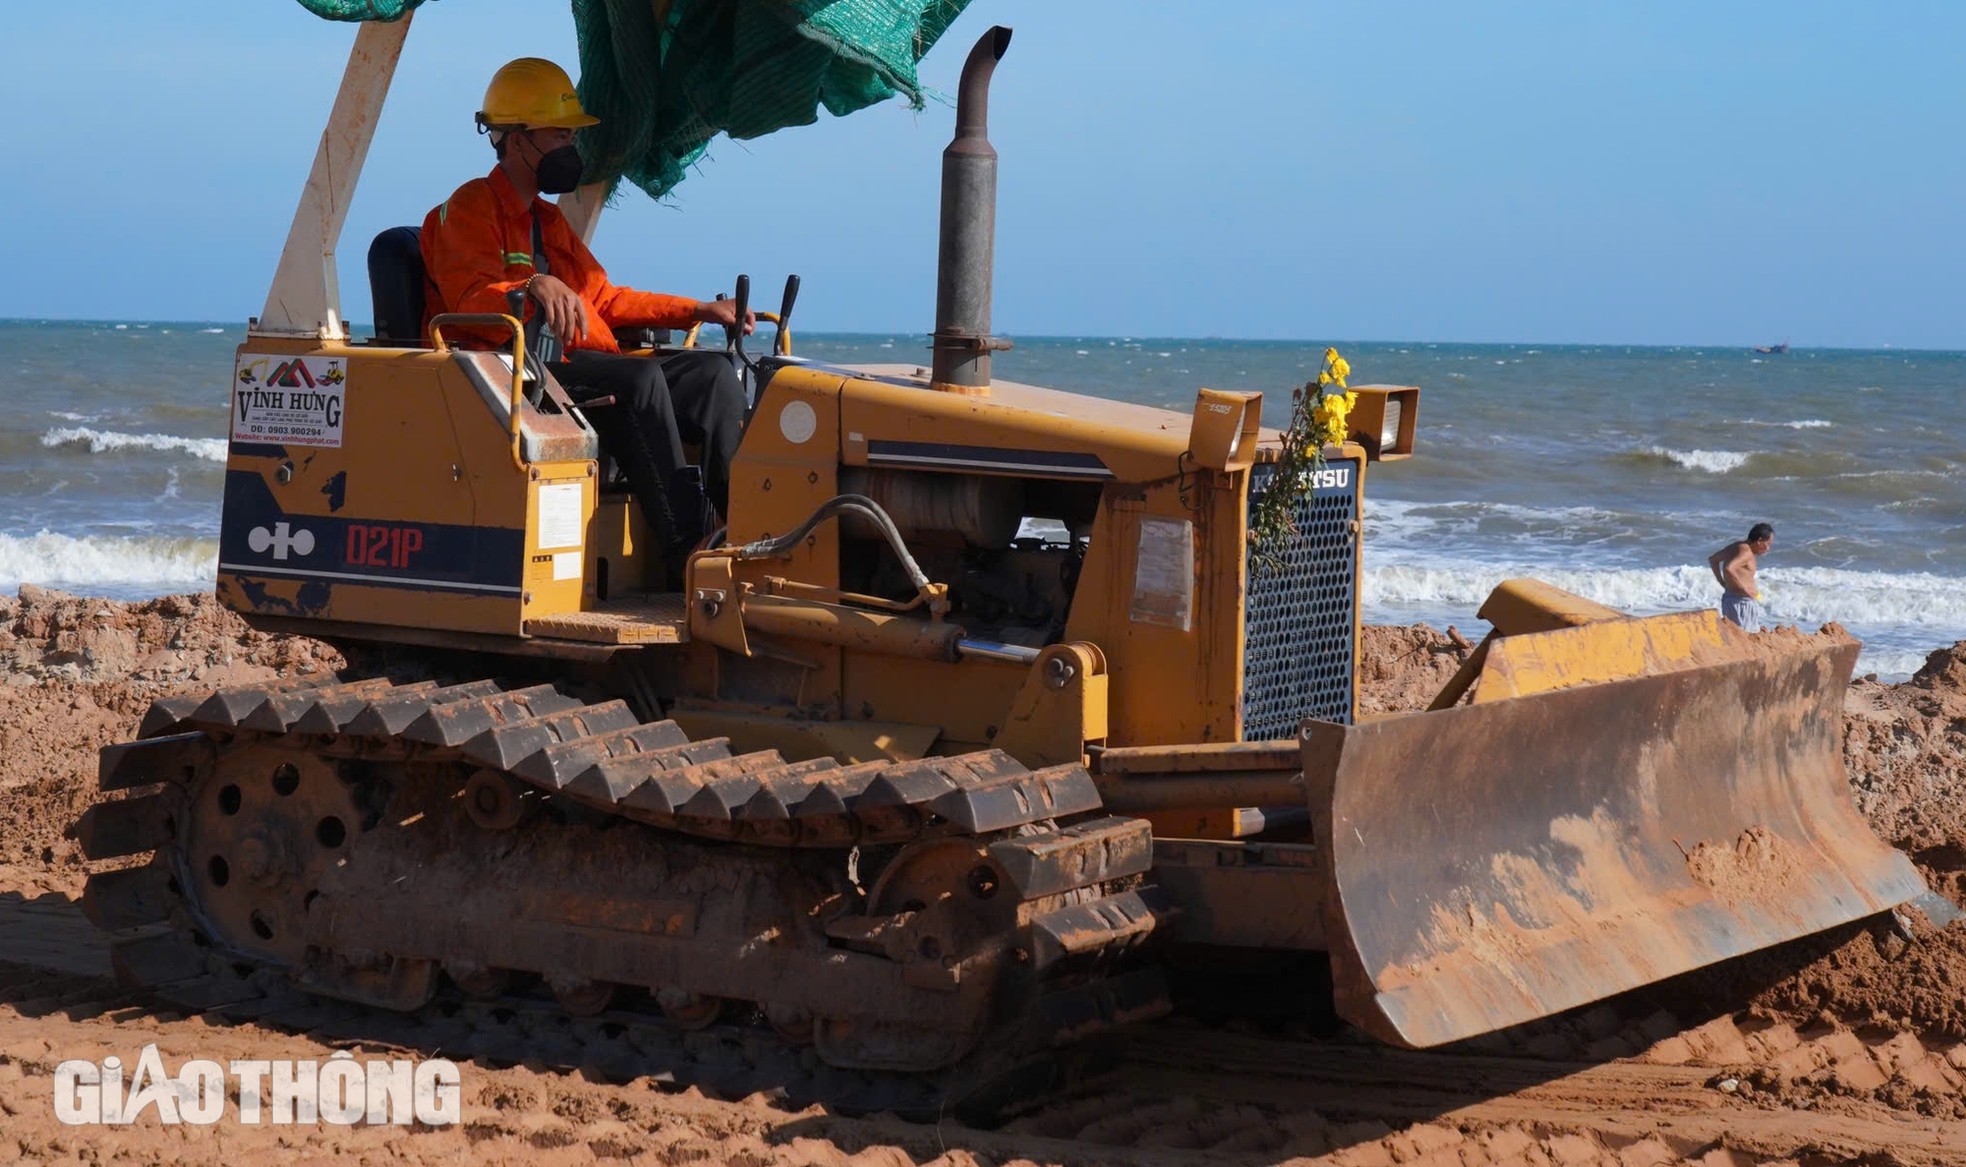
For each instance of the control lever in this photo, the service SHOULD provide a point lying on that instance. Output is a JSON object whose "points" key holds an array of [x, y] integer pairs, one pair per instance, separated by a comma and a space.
{"points": [[734, 338], [782, 341], [538, 339], [747, 370]]}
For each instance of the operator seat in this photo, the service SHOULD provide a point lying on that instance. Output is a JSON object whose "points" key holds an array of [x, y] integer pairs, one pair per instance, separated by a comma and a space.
{"points": [[396, 285], [397, 281]]}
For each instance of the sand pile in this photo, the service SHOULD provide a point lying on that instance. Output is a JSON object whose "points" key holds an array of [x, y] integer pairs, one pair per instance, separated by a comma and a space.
{"points": [[1401, 667], [1906, 751], [1905, 748], [76, 674]]}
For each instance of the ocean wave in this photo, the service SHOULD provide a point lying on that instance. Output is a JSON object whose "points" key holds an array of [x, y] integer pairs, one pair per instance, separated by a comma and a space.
{"points": [[1793, 595], [1418, 526], [1710, 461], [101, 564], [1807, 423], [102, 441], [1405, 509], [1890, 664], [1894, 472]]}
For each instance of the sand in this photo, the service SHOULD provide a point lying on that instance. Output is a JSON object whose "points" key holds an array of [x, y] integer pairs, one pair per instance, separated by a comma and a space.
{"points": [[1846, 1048]]}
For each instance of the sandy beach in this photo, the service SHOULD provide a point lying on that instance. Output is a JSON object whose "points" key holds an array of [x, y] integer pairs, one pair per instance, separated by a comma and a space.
{"points": [[1848, 1047]]}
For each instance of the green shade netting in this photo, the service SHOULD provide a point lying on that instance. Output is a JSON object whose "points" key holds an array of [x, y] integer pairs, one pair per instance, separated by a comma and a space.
{"points": [[667, 76]]}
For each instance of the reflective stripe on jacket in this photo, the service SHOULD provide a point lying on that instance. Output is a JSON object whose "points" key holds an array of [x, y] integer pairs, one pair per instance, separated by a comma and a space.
{"points": [[477, 247]]}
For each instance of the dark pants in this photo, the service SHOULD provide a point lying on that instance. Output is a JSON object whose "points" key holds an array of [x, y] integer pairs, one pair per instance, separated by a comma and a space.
{"points": [[659, 403]]}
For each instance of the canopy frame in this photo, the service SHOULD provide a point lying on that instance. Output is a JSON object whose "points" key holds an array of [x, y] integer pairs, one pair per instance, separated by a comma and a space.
{"points": [[304, 300]]}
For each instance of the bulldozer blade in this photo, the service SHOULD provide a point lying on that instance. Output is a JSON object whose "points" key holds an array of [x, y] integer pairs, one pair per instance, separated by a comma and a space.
{"points": [[1495, 863]]}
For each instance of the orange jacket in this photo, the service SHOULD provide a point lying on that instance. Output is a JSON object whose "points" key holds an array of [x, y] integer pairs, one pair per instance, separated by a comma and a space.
{"points": [[478, 246]]}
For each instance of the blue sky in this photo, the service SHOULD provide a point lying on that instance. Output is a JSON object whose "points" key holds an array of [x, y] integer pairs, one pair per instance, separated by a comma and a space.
{"points": [[1537, 172]]}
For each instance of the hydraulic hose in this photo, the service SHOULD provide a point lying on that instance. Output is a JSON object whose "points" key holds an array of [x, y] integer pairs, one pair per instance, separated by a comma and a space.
{"points": [[779, 545]]}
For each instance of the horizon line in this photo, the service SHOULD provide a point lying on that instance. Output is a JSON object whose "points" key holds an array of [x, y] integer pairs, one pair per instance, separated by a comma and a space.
{"points": [[1063, 336]]}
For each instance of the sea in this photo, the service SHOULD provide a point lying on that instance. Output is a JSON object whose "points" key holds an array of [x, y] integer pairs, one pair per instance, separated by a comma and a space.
{"points": [[1611, 471]]}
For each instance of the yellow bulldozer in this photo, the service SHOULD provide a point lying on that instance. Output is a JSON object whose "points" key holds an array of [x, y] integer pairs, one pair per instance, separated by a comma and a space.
{"points": [[892, 777]]}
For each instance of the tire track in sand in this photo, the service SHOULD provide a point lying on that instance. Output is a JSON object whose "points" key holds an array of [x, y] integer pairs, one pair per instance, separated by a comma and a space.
{"points": [[1821, 1094]]}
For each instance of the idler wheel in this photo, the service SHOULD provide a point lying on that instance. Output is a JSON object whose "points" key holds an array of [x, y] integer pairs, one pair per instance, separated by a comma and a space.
{"points": [[580, 996], [494, 801], [689, 1010], [791, 1022], [475, 980]]}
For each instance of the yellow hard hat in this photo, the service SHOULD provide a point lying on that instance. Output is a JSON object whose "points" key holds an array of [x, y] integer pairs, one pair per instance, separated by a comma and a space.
{"points": [[534, 94]]}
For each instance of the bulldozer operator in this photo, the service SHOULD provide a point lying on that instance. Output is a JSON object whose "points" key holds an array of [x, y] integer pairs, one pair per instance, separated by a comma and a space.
{"points": [[496, 246]]}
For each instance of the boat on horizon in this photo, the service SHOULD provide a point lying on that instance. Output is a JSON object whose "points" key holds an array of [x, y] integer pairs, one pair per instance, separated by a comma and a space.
{"points": [[1772, 348]]}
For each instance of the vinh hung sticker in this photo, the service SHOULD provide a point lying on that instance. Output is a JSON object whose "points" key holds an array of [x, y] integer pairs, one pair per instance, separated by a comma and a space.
{"points": [[289, 400]]}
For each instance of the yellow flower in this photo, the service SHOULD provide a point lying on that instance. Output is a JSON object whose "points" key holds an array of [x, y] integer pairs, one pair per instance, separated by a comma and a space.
{"points": [[1329, 417], [1335, 369]]}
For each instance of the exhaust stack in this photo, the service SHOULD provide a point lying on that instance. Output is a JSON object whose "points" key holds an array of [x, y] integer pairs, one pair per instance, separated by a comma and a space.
{"points": [[966, 258]]}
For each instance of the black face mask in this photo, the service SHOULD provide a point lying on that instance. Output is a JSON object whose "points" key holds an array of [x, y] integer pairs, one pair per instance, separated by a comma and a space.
{"points": [[558, 171]]}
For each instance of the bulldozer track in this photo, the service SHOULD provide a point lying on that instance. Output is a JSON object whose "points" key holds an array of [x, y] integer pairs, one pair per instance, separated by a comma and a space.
{"points": [[602, 756], [588, 879], [1622, 1083]]}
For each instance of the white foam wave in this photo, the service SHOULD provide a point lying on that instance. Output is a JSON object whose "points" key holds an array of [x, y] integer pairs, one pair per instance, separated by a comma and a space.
{"points": [[212, 331], [94, 563], [1794, 595], [1890, 664], [1401, 509], [1900, 618], [102, 441], [1807, 423], [1398, 523], [1710, 461]]}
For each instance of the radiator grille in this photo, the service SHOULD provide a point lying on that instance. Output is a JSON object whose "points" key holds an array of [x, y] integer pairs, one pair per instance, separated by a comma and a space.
{"points": [[1298, 650]]}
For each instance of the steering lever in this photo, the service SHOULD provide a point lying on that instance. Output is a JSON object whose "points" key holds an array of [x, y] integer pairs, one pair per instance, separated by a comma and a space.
{"points": [[781, 341], [734, 335]]}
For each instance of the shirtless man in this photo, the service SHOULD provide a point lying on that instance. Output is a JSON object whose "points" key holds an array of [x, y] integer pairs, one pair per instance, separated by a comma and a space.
{"points": [[1734, 566]]}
